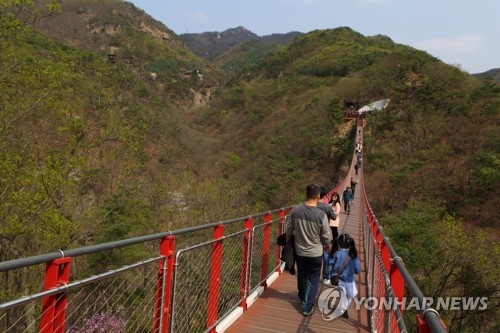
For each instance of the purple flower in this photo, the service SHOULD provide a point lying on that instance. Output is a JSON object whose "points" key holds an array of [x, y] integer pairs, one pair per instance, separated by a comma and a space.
{"points": [[101, 323]]}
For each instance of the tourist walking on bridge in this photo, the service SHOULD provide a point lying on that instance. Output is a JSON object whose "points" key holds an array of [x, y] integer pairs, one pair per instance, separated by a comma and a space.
{"points": [[310, 226], [334, 224], [326, 208], [347, 198], [345, 265], [354, 182]]}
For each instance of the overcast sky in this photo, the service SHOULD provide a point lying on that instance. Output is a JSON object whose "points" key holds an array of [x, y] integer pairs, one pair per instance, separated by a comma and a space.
{"points": [[459, 32]]}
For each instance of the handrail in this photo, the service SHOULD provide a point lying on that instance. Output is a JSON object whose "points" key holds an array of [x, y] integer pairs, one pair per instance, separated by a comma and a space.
{"points": [[65, 287], [44, 258]]}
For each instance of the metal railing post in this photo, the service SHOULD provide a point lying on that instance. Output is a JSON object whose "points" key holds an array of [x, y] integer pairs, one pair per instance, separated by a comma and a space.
{"points": [[265, 248], [397, 281], [245, 262], [164, 284], [215, 270], [386, 255], [378, 236], [422, 326], [54, 306], [374, 229]]}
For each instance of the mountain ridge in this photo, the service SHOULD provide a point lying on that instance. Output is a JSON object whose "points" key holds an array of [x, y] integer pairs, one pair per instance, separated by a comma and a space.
{"points": [[210, 45], [493, 73]]}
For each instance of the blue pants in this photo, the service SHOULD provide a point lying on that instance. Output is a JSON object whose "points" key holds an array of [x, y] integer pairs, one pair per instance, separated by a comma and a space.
{"points": [[326, 270], [308, 274]]}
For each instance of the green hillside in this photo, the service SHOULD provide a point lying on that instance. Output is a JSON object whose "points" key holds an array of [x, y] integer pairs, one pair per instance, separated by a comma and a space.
{"points": [[283, 114], [243, 54], [92, 150]]}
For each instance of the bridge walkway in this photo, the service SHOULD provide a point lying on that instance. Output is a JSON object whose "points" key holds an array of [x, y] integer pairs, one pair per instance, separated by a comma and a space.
{"points": [[278, 309]]}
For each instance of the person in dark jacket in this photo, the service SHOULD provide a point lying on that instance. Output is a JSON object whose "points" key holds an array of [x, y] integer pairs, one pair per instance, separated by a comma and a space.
{"points": [[288, 252]]}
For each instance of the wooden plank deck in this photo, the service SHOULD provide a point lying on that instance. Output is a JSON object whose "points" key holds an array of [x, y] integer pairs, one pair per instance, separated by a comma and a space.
{"points": [[279, 309]]}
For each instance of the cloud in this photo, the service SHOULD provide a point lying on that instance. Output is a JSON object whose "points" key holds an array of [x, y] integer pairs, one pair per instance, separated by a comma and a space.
{"points": [[466, 43], [198, 16]]}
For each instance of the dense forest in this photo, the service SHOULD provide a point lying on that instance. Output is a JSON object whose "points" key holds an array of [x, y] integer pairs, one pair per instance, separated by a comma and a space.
{"points": [[110, 127]]}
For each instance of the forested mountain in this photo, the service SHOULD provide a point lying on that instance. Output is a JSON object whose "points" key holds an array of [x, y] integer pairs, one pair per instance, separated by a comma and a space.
{"points": [[93, 150], [111, 128]]}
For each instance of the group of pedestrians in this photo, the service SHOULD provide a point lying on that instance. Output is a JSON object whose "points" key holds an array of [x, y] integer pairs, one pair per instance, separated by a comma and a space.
{"points": [[314, 225]]}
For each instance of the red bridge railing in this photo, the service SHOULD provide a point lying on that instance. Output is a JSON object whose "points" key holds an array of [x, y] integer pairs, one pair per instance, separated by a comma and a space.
{"points": [[387, 279], [183, 288], [193, 288]]}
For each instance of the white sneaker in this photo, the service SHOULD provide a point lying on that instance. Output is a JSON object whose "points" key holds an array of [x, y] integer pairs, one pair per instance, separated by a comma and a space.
{"points": [[326, 282]]}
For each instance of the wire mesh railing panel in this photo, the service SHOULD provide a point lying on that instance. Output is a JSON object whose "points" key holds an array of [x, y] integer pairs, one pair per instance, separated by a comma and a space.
{"points": [[230, 294], [378, 293], [191, 288], [194, 237], [234, 227], [124, 303], [15, 284], [369, 261], [22, 319], [369, 252], [394, 323], [369, 248], [119, 301], [256, 257]]}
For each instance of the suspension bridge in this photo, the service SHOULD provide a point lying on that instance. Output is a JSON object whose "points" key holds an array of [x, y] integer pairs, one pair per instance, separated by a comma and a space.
{"points": [[221, 277]]}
